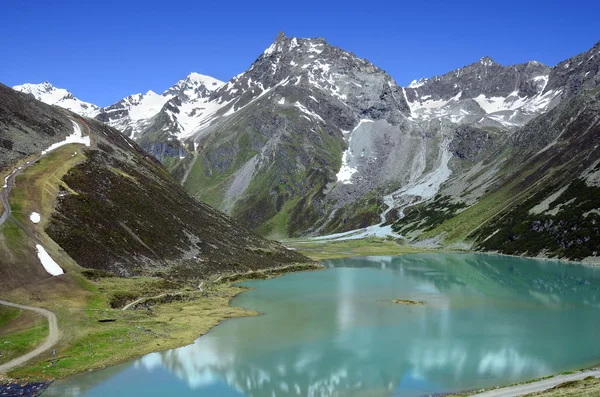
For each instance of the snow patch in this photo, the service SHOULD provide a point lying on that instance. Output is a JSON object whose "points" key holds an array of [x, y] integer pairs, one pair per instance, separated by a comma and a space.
{"points": [[308, 112], [417, 84], [314, 48], [346, 171], [149, 105], [49, 264], [35, 217], [270, 50], [75, 137]]}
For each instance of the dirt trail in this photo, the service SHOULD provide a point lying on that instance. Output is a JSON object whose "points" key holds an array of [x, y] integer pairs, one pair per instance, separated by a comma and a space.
{"points": [[52, 322], [46, 345], [534, 387]]}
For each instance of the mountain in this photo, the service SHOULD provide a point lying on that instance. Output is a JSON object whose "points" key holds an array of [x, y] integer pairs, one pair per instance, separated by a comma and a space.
{"points": [[484, 94], [312, 140], [537, 193], [51, 95], [159, 121], [110, 207], [272, 152]]}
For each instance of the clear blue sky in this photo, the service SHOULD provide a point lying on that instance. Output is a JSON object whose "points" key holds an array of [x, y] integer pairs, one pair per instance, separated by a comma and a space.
{"points": [[105, 50]]}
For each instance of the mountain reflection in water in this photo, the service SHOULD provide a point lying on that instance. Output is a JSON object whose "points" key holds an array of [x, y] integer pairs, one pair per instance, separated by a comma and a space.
{"points": [[487, 320]]}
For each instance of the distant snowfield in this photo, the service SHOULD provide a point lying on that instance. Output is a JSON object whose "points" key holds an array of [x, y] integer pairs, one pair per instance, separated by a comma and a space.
{"points": [[35, 217], [49, 264], [51, 95], [370, 231], [75, 137]]}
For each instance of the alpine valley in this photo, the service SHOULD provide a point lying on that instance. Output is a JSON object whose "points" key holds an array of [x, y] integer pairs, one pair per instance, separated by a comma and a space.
{"points": [[312, 141]]}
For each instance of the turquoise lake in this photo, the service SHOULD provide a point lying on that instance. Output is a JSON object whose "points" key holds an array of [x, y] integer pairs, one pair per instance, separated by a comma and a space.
{"points": [[487, 320]]}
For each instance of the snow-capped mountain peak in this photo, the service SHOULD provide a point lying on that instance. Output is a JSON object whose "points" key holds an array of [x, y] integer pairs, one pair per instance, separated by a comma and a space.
{"points": [[417, 83], [487, 61], [194, 87], [51, 95], [484, 93], [180, 105], [314, 67]]}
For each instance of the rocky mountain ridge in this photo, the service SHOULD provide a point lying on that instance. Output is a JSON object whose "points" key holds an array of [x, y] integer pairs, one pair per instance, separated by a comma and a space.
{"points": [[313, 140]]}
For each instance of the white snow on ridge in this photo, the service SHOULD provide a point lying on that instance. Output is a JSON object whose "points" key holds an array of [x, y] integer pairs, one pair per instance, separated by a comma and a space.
{"points": [[51, 95], [270, 50], [49, 264], [417, 84], [495, 107], [498, 104], [35, 217], [307, 111], [209, 82], [148, 105], [75, 137]]}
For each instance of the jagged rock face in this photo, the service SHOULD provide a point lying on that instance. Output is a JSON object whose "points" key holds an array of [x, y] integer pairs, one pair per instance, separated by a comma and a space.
{"points": [[271, 148], [537, 194], [484, 94], [312, 64], [484, 77], [577, 74]]}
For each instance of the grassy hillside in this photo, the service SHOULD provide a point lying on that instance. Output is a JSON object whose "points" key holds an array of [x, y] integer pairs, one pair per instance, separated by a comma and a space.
{"points": [[286, 159]]}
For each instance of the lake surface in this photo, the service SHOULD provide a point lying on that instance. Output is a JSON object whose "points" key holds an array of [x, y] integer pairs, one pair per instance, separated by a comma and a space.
{"points": [[487, 320]]}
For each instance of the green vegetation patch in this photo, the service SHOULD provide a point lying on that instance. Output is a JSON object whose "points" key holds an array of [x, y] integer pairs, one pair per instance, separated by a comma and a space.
{"points": [[320, 250], [427, 216], [572, 232], [16, 344], [8, 314], [358, 214], [99, 336]]}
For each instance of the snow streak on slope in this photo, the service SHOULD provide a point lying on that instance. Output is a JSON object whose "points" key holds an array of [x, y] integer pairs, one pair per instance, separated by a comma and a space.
{"points": [[49, 264], [51, 95], [75, 137], [346, 171]]}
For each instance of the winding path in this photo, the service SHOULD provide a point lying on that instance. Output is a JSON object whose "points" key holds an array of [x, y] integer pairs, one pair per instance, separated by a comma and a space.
{"points": [[538, 386], [52, 322], [48, 343]]}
